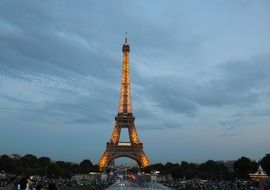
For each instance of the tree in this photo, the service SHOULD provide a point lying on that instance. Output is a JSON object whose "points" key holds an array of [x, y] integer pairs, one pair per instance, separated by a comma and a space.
{"points": [[133, 170], [54, 171], [190, 170], [7, 164], [212, 169], [244, 166], [43, 161], [95, 168], [177, 172], [29, 161], [86, 164], [265, 163], [66, 168], [185, 165]]}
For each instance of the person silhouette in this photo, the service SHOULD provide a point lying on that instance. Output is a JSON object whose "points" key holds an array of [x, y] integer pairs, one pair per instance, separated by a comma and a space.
{"points": [[52, 186], [38, 186], [23, 182]]}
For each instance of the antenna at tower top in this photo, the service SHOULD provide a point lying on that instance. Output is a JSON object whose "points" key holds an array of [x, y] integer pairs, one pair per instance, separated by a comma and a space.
{"points": [[125, 47], [126, 37]]}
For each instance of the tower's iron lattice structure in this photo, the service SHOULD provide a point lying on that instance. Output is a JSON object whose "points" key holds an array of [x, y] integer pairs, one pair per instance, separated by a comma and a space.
{"points": [[124, 119]]}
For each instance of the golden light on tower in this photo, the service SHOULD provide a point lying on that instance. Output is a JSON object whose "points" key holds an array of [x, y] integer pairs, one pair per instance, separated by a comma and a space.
{"points": [[125, 97], [124, 119]]}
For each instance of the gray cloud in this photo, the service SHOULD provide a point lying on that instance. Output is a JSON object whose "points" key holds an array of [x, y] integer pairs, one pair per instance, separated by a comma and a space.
{"points": [[238, 83], [227, 135], [231, 124]]}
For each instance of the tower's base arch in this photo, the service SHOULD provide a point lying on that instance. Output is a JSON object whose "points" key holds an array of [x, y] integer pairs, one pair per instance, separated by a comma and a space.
{"points": [[134, 152]]}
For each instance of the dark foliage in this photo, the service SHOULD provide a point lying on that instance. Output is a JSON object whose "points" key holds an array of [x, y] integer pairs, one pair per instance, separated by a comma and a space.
{"points": [[265, 163], [43, 166], [244, 166], [207, 170]]}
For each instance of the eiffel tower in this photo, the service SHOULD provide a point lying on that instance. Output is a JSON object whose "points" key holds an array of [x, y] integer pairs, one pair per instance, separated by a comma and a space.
{"points": [[124, 119]]}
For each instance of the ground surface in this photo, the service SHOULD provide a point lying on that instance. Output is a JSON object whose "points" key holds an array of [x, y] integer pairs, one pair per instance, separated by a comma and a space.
{"points": [[83, 187]]}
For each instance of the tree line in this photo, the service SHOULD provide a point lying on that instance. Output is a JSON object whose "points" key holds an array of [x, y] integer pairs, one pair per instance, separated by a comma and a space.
{"points": [[31, 165], [211, 169]]}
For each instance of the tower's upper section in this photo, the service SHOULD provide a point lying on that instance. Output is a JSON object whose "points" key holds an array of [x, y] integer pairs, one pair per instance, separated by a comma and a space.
{"points": [[125, 47], [125, 97]]}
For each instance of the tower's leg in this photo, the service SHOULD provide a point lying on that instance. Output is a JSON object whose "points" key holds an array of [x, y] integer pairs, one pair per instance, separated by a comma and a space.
{"points": [[116, 134], [133, 136], [143, 159], [104, 160]]}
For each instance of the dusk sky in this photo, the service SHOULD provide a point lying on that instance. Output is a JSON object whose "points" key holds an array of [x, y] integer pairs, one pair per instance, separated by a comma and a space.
{"points": [[200, 77]]}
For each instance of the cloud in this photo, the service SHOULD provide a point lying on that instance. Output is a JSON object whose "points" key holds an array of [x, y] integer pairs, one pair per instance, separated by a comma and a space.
{"points": [[240, 83], [263, 113], [227, 135], [75, 98], [231, 124]]}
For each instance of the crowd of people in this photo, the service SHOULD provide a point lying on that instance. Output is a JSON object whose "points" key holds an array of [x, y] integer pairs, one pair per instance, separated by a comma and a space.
{"points": [[209, 185], [216, 185], [11, 182]]}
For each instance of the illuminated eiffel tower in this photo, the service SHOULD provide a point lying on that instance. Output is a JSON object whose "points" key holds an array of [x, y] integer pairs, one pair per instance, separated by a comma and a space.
{"points": [[124, 119]]}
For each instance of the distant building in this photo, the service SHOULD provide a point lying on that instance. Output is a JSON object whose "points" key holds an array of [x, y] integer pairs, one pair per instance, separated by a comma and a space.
{"points": [[15, 156], [260, 174]]}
